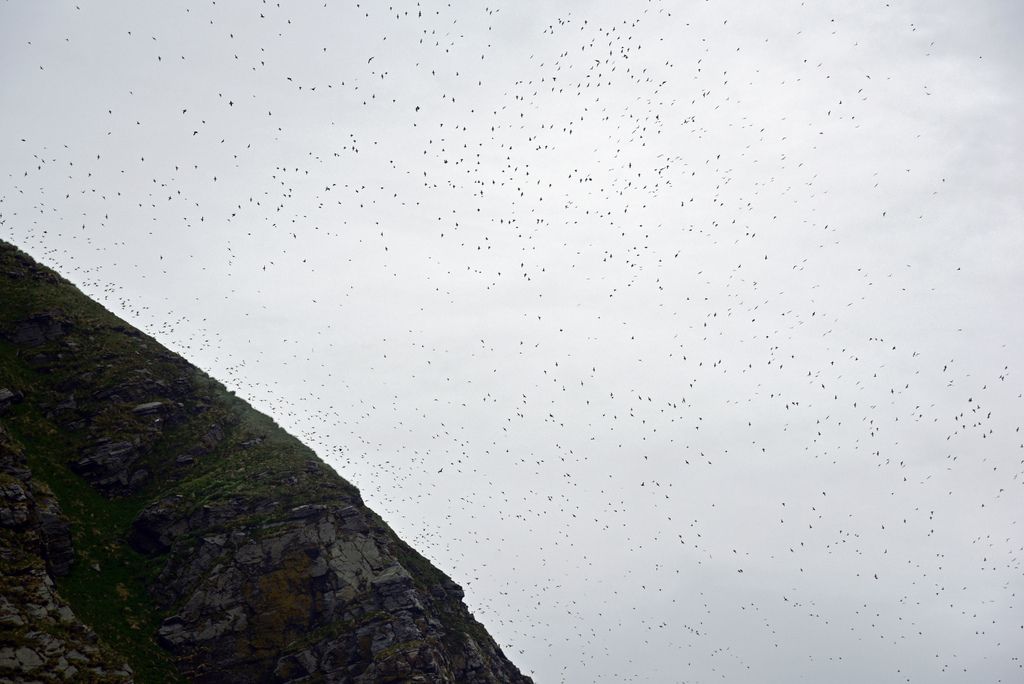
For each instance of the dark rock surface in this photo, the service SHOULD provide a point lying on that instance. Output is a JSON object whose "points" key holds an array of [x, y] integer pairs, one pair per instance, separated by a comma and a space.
{"points": [[194, 536], [41, 639]]}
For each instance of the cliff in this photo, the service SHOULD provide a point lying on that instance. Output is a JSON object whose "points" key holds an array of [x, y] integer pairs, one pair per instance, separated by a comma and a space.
{"points": [[154, 527]]}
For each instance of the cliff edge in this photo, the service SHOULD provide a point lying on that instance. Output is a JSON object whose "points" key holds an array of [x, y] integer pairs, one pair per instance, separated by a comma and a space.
{"points": [[154, 527]]}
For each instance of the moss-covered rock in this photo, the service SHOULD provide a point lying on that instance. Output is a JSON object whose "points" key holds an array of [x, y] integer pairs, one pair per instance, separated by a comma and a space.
{"points": [[181, 532]]}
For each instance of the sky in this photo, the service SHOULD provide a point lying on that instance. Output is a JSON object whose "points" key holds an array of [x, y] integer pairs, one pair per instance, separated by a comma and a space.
{"points": [[685, 336]]}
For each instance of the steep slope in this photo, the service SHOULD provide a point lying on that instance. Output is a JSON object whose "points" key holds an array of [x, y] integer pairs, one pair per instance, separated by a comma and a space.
{"points": [[153, 526]]}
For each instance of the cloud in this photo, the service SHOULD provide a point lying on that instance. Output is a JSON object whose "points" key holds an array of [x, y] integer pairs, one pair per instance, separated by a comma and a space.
{"points": [[599, 304]]}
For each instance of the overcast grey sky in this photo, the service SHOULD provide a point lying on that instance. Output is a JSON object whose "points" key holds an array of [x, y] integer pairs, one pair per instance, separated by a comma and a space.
{"points": [[685, 335]]}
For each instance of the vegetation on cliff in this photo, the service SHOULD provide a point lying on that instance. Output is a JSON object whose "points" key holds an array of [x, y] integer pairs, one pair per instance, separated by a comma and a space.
{"points": [[200, 541]]}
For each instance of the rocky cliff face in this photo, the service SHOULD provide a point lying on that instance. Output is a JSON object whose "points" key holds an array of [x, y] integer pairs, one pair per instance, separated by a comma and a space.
{"points": [[153, 527]]}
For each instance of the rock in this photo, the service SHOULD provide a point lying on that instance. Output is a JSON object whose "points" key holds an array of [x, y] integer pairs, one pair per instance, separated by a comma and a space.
{"points": [[108, 465], [27, 659], [232, 606], [148, 408], [14, 504], [306, 511], [209, 441], [43, 362], [8, 398], [138, 478], [39, 329], [68, 404], [55, 531]]}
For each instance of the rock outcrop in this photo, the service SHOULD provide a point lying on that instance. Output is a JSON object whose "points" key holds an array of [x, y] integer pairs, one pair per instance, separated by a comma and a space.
{"points": [[41, 639], [155, 527]]}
